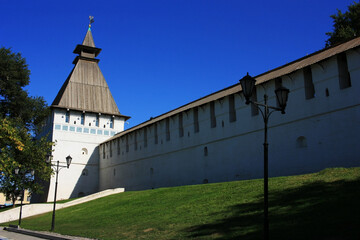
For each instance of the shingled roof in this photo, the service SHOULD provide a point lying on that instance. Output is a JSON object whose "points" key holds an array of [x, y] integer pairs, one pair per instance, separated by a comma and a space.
{"points": [[86, 89]]}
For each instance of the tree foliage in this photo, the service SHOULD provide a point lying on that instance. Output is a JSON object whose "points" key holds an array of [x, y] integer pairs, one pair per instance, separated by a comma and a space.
{"points": [[346, 25], [15, 102], [21, 117]]}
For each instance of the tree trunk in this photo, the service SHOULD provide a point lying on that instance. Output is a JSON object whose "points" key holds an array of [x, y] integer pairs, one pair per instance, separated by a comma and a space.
{"points": [[13, 199]]}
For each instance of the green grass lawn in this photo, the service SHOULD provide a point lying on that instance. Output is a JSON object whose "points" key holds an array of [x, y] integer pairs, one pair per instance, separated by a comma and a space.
{"points": [[322, 205]]}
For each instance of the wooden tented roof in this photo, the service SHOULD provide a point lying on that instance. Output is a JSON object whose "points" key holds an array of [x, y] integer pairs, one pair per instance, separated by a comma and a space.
{"points": [[88, 40], [86, 89]]}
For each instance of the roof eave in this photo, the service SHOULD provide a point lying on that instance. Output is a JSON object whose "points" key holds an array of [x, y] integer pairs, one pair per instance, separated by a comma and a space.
{"points": [[89, 111], [81, 47]]}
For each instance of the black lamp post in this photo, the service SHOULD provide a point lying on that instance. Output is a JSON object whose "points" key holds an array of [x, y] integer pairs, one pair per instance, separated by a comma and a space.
{"points": [[57, 168], [248, 85], [24, 173]]}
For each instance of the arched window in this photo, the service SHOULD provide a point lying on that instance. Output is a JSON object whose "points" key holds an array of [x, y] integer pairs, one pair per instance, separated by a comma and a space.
{"points": [[84, 151], [85, 172], [205, 151], [301, 142]]}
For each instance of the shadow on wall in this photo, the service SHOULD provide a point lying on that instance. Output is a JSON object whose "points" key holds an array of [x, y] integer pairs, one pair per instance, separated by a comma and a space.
{"points": [[88, 181], [319, 210]]}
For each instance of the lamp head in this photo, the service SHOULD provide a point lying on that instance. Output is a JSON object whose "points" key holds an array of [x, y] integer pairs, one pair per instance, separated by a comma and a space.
{"points": [[282, 94], [247, 85], [68, 160], [48, 158]]}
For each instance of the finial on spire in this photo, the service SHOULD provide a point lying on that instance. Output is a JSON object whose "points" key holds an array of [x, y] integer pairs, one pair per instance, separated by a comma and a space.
{"points": [[91, 20]]}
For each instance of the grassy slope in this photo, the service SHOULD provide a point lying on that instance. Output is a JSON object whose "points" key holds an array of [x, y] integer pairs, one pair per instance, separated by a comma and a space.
{"points": [[323, 205]]}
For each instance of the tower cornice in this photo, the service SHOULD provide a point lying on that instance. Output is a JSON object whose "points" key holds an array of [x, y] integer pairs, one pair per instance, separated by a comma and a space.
{"points": [[86, 59], [88, 49]]}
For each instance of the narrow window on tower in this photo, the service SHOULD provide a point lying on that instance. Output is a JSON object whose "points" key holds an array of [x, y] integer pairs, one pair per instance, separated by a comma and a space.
{"points": [[67, 116], [278, 83], [196, 119], [212, 115], [167, 125], [344, 75], [145, 137], [232, 111], [97, 123], [135, 141], [112, 122], [308, 83], [181, 125], [82, 121]]}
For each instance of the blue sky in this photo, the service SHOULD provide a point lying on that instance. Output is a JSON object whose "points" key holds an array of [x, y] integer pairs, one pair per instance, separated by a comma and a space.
{"points": [[160, 54]]}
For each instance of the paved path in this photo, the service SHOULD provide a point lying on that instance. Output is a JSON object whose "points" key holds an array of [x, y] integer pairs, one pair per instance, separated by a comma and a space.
{"points": [[5, 235], [22, 234]]}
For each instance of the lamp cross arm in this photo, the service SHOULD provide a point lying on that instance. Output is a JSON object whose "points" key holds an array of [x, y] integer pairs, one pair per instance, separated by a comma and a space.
{"points": [[55, 165], [58, 168], [265, 105], [62, 166]]}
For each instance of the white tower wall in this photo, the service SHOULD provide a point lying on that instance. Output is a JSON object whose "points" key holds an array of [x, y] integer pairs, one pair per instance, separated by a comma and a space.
{"points": [[80, 141]]}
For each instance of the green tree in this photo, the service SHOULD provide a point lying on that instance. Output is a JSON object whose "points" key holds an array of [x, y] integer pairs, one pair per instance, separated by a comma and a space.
{"points": [[346, 25], [21, 117], [28, 156], [15, 102]]}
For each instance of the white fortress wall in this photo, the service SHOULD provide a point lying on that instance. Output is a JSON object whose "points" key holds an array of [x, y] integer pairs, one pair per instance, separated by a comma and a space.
{"points": [[211, 143]]}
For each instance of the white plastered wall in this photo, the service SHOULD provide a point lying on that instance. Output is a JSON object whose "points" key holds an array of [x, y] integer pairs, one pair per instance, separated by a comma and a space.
{"points": [[80, 141], [313, 134]]}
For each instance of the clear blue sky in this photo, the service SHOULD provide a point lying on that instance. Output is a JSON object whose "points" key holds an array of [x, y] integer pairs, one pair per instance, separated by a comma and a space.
{"points": [[160, 54]]}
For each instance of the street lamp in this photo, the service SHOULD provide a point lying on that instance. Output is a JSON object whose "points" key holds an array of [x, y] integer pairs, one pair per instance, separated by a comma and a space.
{"points": [[57, 168], [248, 85], [17, 172]]}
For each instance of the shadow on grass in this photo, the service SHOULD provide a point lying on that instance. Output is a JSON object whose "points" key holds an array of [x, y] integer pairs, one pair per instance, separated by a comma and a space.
{"points": [[318, 210]]}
